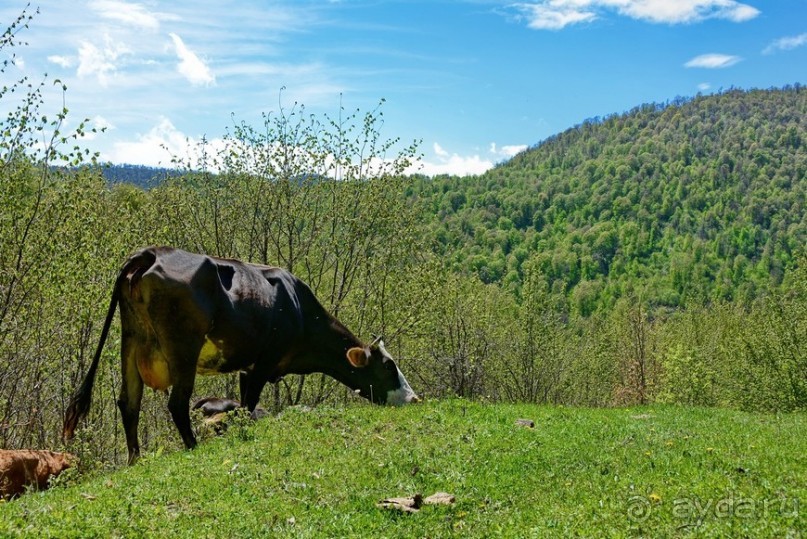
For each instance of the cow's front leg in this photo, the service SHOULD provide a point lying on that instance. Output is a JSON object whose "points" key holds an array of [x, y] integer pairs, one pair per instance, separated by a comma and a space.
{"points": [[243, 386], [251, 385]]}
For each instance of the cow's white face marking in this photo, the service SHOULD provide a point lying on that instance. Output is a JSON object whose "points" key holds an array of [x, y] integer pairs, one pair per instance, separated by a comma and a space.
{"points": [[402, 395]]}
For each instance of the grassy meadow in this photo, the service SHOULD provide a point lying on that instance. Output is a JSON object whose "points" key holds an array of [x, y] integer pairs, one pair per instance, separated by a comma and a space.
{"points": [[658, 471]]}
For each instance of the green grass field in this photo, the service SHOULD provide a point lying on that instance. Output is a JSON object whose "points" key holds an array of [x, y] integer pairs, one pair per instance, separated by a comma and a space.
{"points": [[638, 472]]}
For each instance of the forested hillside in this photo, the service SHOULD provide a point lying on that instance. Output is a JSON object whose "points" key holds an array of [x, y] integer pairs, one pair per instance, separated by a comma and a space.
{"points": [[683, 203], [139, 175]]}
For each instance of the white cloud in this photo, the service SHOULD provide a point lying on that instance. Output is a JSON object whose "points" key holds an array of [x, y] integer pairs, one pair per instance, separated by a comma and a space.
{"points": [[451, 164], [507, 151], [553, 15], [129, 14], [713, 61], [742, 13], [99, 123], [100, 61], [786, 43], [156, 148], [704, 86], [682, 11], [191, 66], [557, 14], [63, 61]]}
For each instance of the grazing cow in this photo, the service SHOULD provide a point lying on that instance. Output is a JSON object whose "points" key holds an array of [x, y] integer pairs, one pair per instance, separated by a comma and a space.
{"points": [[184, 313], [23, 468]]}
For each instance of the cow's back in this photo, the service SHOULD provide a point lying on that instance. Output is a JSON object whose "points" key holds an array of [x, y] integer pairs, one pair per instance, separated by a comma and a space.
{"points": [[261, 303], [239, 313]]}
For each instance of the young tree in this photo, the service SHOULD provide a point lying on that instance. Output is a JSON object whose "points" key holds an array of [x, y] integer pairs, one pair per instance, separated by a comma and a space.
{"points": [[32, 146], [542, 357], [319, 196]]}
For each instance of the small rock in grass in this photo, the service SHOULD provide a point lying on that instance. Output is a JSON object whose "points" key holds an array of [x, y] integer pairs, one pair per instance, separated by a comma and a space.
{"points": [[529, 423], [412, 504], [407, 505], [440, 498]]}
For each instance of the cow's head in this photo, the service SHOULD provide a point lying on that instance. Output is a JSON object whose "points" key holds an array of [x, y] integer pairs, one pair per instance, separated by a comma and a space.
{"points": [[378, 377]]}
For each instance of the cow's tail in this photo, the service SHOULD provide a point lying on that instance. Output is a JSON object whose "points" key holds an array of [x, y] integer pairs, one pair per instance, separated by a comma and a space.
{"points": [[80, 401]]}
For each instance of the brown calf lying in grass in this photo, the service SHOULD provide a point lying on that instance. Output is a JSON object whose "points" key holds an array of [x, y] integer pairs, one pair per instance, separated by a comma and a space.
{"points": [[23, 468]]}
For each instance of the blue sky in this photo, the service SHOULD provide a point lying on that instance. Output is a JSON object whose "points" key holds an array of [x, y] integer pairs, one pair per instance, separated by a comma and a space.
{"points": [[474, 80]]}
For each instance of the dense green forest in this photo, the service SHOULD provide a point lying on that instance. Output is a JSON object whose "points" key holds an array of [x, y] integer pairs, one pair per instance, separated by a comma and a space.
{"points": [[683, 203], [654, 256]]}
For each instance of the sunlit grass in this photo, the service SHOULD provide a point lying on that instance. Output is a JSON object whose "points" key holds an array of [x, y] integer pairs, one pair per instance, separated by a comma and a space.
{"points": [[657, 471]]}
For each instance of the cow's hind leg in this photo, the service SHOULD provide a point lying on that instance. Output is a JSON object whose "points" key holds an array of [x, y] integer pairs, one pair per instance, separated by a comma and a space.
{"points": [[131, 395]]}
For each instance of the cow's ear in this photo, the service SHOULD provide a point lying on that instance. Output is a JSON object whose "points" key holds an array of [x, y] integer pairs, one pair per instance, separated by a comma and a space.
{"points": [[357, 357]]}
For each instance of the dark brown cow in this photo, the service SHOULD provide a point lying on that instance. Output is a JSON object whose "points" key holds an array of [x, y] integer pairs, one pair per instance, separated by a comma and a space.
{"points": [[23, 468], [211, 406], [215, 406], [184, 313]]}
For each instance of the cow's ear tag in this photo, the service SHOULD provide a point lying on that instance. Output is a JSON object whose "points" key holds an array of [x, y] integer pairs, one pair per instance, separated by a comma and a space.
{"points": [[357, 357]]}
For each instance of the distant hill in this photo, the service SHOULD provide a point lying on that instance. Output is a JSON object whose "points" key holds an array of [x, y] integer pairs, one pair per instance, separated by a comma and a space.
{"points": [[691, 201], [139, 175]]}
